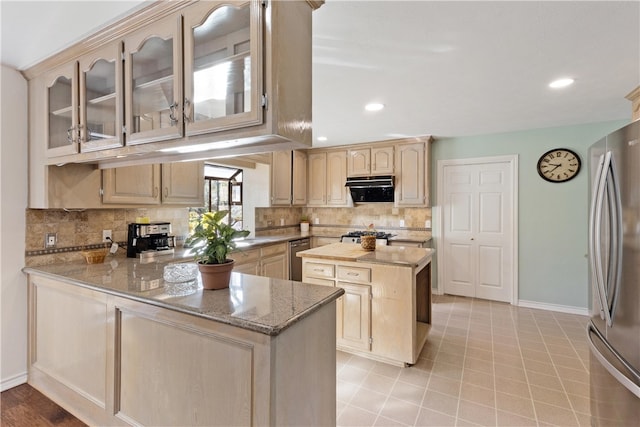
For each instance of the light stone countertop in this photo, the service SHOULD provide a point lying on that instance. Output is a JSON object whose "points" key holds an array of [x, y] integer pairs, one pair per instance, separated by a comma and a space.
{"points": [[395, 255], [260, 304]]}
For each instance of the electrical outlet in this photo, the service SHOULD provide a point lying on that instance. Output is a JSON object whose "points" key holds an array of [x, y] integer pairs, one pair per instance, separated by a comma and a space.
{"points": [[50, 240], [106, 235]]}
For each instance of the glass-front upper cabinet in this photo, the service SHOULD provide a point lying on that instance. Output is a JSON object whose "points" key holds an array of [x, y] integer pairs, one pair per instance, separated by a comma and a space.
{"points": [[223, 66], [153, 82], [62, 110], [101, 99]]}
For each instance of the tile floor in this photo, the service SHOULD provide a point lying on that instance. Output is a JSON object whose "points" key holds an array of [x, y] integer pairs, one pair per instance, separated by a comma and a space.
{"points": [[485, 363]]}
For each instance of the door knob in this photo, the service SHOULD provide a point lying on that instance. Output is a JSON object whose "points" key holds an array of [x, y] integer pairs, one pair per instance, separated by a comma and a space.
{"points": [[472, 238]]}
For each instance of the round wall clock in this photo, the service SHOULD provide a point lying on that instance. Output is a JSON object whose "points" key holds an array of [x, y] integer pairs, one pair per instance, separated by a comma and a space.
{"points": [[559, 165]]}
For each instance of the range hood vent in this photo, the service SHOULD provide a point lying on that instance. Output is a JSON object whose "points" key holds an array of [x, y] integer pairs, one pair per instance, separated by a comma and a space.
{"points": [[372, 189]]}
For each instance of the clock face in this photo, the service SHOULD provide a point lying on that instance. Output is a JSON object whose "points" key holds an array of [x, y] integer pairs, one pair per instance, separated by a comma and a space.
{"points": [[559, 165]]}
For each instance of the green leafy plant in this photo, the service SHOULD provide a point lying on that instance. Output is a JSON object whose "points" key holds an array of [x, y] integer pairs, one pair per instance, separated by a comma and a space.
{"points": [[370, 230], [304, 218], [212, 239]]}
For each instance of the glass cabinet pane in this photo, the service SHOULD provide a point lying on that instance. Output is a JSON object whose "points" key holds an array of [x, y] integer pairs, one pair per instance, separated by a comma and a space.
{"points": [[100, 95], [61, 117], [153, 97], [222, 64]]}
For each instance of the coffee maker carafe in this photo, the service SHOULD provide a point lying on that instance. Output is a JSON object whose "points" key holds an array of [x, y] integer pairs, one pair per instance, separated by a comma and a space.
{"points": [[150, 238]]}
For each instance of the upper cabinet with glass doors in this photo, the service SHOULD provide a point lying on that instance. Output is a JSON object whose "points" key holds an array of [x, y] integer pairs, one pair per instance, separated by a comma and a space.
{"points": [[61, 102], [223, 66], [83, 102], [101, 99], [153, 82]]}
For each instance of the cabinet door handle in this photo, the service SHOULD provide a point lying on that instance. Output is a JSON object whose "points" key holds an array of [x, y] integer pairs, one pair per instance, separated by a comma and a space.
{"points": [[353, 274], [166, 192], [155, 192], [188, 111], [172, 113]]}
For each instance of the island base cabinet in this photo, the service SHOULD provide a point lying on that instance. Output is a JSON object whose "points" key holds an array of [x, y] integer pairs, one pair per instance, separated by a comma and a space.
{"points": [[114, 361]]}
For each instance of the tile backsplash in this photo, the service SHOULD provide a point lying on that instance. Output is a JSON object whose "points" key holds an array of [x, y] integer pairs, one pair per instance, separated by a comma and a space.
{"points": [[84, 228]]}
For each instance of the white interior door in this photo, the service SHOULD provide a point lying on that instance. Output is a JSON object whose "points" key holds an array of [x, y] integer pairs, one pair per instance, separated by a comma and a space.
{"points": [[478, 228]]}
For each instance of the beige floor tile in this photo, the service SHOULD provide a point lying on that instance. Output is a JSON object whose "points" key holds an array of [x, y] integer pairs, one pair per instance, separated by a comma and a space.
{"points": [[580, 374], [440, 402], [378, 383], [447, 370], [575, 387], [479, 365], [414, 376], [345, 391], [428, 417], [551, 397], [477, 353], [483, 379], [507, 419], [580, 404], [515, 405], [352, 375], [555, 415], [477, 394], [535, 366], [368, 400], [400, 410], [508, 359], [543, 380], [352, 416], [386, 370], [445, 385], [408, 392], [387, 422], [539, 355], [512, 372], [478, 414], [516, 388]]}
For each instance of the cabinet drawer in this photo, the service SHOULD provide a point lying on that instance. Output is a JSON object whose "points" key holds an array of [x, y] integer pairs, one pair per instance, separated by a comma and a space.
{"points": [[314, 269], [354, 274], [242, 256], [322, 282], [280, 248]]}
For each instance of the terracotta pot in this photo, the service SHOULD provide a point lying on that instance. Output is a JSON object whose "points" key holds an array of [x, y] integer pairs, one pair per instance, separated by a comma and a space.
{"points": [[216, 276], [368, 243]]}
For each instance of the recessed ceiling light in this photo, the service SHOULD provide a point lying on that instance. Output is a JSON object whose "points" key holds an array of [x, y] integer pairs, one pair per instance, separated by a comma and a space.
{"points": [[374, 106], [561, 83], [322, 138]]}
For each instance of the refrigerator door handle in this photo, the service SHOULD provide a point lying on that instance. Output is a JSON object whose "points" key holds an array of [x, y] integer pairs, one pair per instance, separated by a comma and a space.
{"points": [[596, 218], [617, 237], [615, 372]]}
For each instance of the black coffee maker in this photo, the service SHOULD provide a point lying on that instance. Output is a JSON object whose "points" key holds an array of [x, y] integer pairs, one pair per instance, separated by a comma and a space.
{"points": [[148, 237]]}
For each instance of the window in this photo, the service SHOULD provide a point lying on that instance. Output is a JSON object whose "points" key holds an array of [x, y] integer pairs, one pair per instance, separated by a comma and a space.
{"points": [[222, 191]]}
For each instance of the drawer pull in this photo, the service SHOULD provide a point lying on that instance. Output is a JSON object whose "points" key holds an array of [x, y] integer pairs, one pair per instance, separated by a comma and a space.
{"points": [[353, 274], [318, 269]]}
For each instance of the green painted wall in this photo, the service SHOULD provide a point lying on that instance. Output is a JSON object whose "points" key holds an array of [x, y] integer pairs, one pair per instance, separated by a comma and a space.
{"points": [[552, 218]]}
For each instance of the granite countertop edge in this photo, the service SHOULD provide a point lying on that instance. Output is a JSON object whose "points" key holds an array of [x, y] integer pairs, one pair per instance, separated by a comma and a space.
{"points": [[271, 330]]}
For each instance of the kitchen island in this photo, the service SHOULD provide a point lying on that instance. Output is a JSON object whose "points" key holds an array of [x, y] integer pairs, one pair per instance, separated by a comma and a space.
{"points": [[115, 345], [385, 313]]}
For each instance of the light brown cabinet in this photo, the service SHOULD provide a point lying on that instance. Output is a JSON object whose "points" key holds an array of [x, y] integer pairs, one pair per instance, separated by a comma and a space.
{"points": [[327, 172], [371, 161], [288, 178], [413, 171], [174, 183], [385, 313], [268, 261], [634, 97]]}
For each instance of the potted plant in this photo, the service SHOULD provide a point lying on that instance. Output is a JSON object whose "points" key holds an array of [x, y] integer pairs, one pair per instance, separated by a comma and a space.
{"points": [[304, 223], [212, 240]]}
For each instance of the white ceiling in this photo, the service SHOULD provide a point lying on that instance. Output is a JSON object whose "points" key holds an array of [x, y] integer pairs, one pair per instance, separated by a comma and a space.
{"points": [[449, 68]]}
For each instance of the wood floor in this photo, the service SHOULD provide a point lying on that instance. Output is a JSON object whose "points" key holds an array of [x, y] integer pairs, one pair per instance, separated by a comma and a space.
{"points": [[24, 406]]}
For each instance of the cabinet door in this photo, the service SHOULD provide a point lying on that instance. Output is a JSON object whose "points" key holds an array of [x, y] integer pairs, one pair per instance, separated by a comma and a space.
{"points": [[61, 102], [275, 266], [153, 82], [317, 179], [299, 179], [252, 267], [223, 66], [101, 99], [281, 178], [382, 160], [138, 185], [354, 316], [359, 162], [336, 178], [410, 185], [183, 183]]}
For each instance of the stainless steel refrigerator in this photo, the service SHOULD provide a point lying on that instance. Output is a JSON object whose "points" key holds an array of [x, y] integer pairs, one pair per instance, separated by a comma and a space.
{"points": [[614, 259]]}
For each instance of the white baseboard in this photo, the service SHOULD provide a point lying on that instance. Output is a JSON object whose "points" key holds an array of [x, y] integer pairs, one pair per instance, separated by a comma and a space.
{"points": [[12, 382], [554, 307]]}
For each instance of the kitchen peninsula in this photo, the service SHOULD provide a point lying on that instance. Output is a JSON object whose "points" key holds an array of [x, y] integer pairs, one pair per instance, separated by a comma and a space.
{"points": [[115, 345], [385, 313]]}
